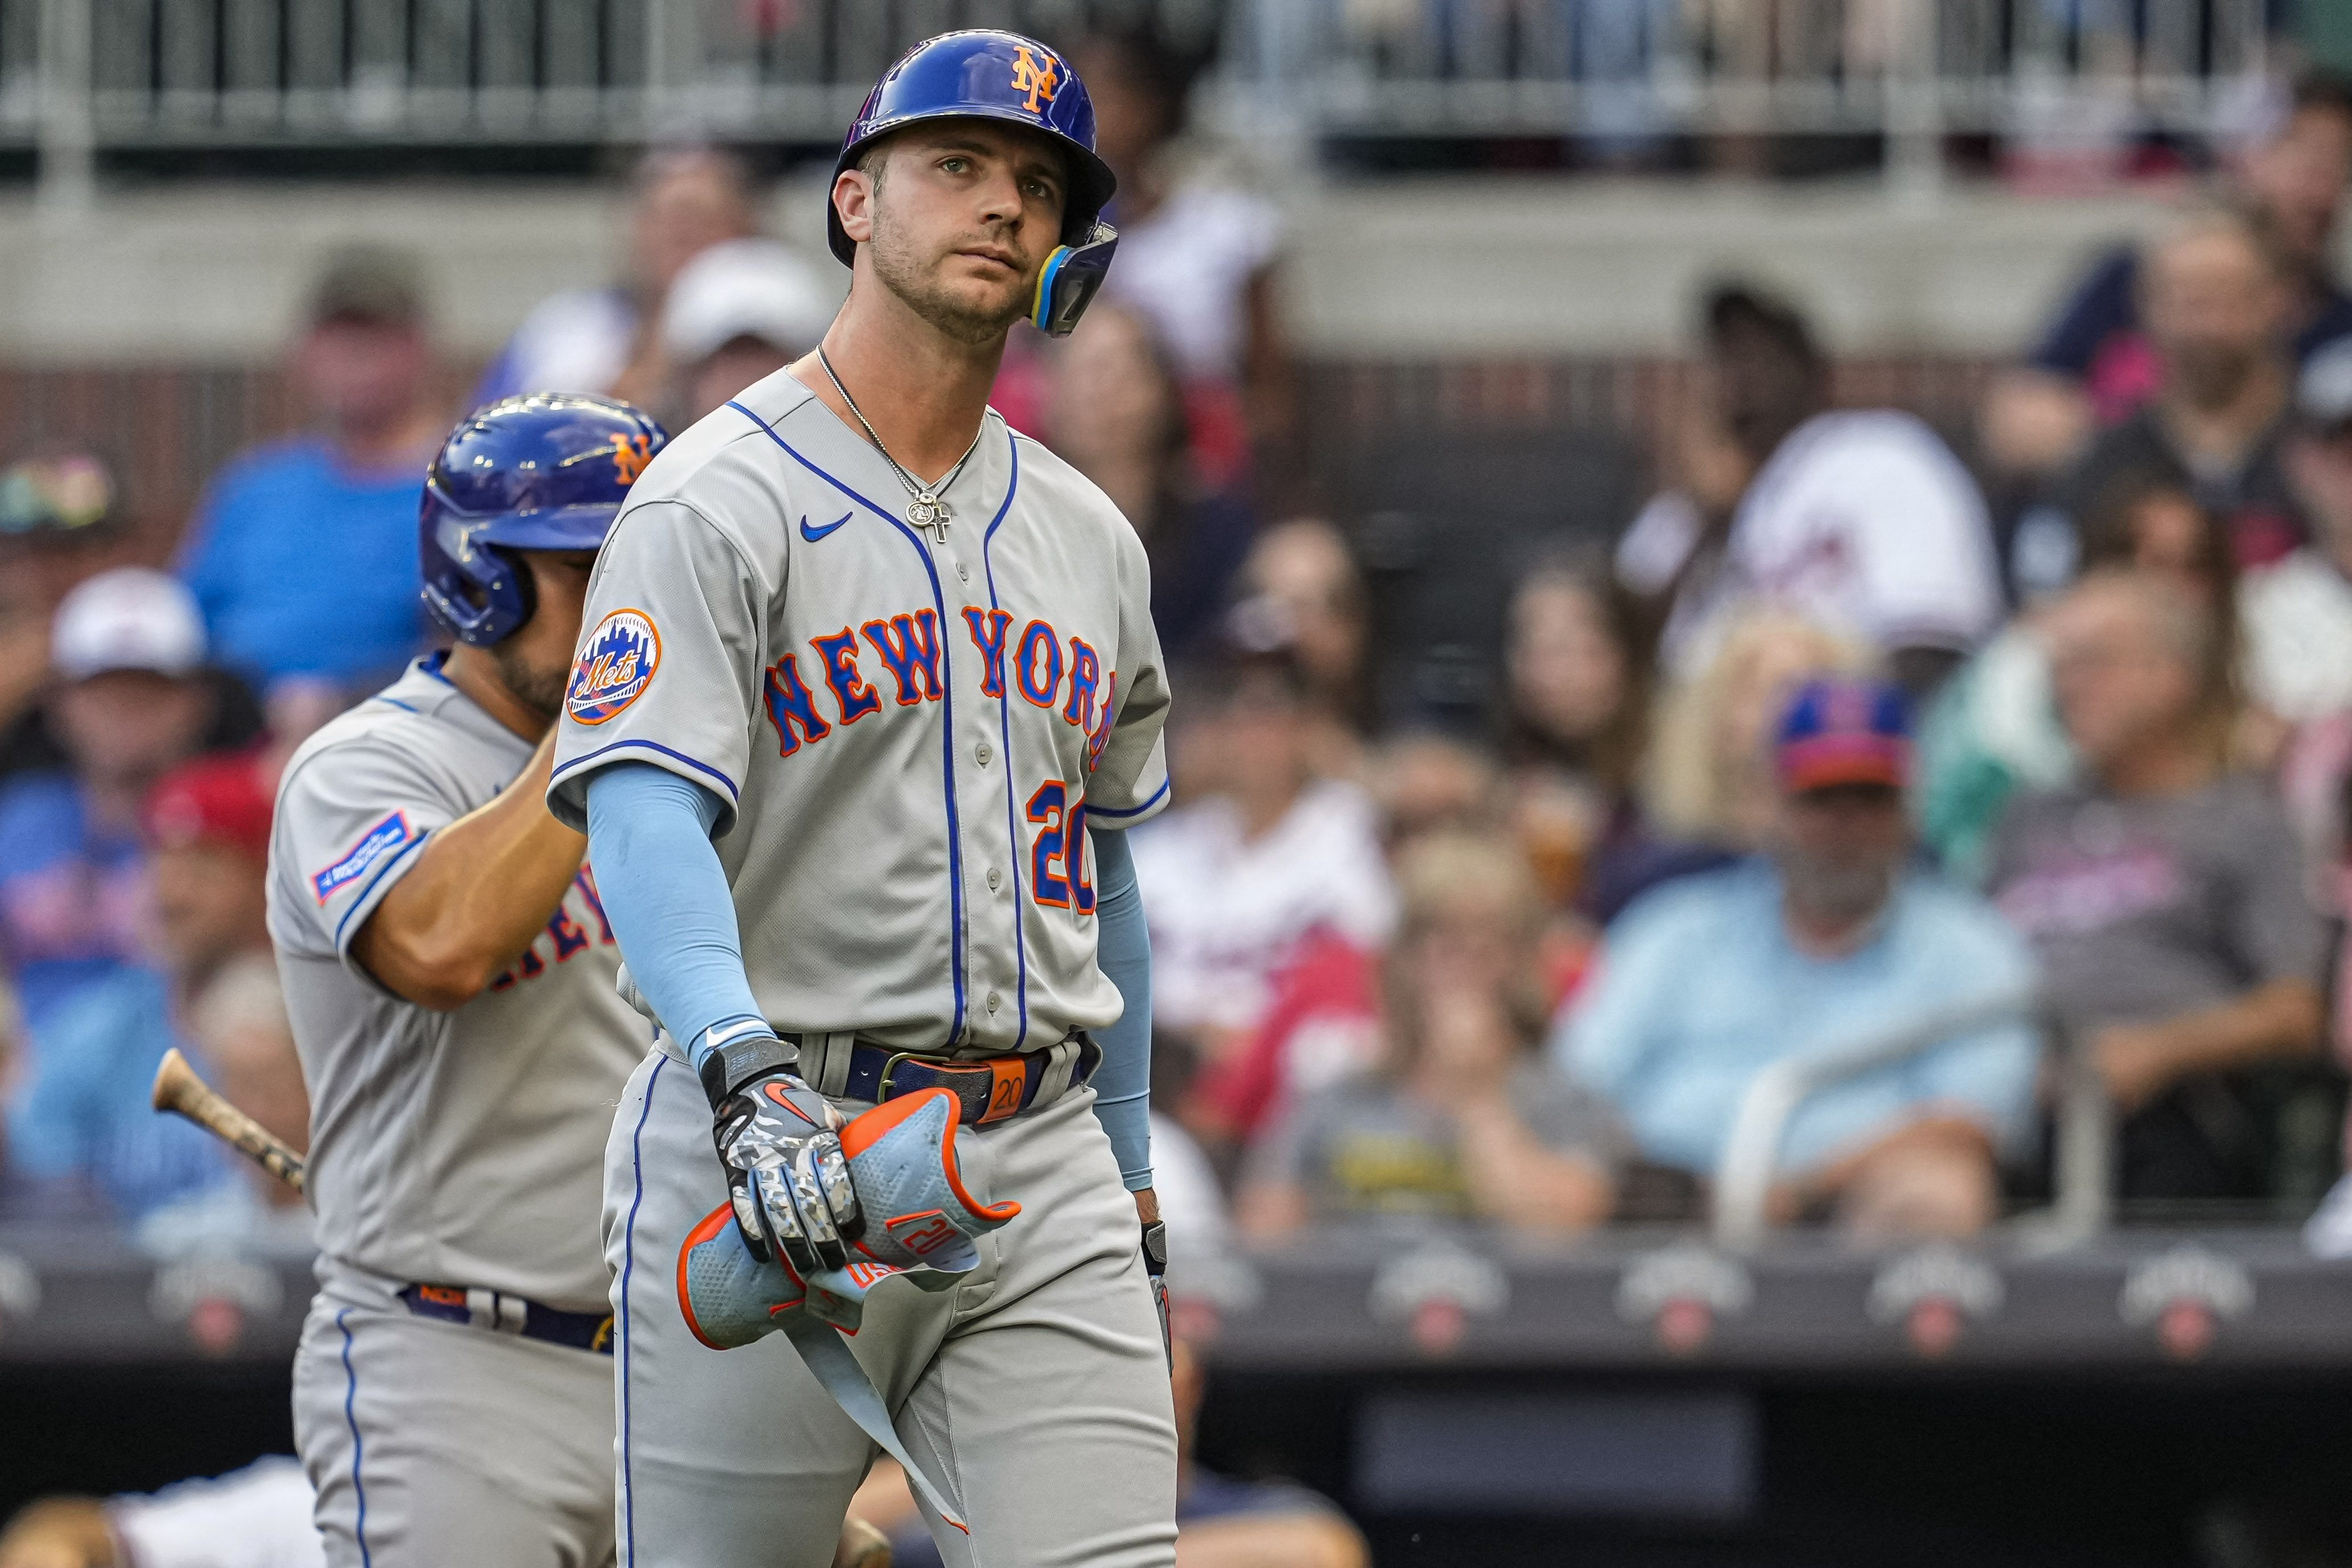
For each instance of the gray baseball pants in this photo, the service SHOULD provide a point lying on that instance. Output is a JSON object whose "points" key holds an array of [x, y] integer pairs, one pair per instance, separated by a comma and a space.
{"points": [[1037, 1391], [434, 1445]]}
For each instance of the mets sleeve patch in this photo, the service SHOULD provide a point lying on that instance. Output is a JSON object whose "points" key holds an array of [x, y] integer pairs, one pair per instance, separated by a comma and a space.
{"points": [[391, 834], [616, 666]]}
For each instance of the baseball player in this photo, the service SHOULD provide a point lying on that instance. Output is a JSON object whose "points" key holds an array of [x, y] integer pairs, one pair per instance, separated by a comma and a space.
{"points": [[869, 690], [450, 975]]}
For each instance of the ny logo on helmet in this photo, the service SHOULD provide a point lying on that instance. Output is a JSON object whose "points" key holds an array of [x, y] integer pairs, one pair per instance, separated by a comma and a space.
{"points": [[630, 456], [1035, 78]]}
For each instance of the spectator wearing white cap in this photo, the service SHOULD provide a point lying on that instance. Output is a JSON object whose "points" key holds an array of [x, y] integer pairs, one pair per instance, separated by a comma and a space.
{"points": [[738, 313], [130, 701], [682, 201]]}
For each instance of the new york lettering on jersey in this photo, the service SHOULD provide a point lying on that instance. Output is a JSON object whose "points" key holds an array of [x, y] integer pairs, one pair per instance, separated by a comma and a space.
{"points": [[578, 924], [907, 647], [929, 725]]}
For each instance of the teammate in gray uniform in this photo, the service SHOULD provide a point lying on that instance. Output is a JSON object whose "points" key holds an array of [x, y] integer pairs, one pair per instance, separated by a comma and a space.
{"points": [[450, 976], [860, 712]]}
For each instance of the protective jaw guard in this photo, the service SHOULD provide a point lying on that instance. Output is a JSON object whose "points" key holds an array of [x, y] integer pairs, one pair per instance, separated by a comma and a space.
{"points": [[922, 1223], [1072, 275]]}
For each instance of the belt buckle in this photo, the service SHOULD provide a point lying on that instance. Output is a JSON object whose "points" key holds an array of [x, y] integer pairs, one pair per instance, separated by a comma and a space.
{"points": [[889, 1066], [1000, 1100]]}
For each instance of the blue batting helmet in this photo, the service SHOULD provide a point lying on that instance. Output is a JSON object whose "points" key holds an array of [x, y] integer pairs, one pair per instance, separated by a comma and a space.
{"points": [[545, 471], [988, 75]]}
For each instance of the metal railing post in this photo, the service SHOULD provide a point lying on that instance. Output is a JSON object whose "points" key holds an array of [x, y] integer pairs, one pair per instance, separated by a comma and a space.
{"points": [[2084, 1201], [653, 92], [1914, 106], [69, 133], [674, 70], [1743, 1178]]}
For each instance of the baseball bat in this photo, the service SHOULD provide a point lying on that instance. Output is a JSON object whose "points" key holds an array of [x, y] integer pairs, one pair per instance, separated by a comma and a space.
{"points": [[180, 1090]]}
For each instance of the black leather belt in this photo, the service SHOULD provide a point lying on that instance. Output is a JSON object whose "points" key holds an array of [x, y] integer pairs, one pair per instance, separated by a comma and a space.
{"points": [[994, 1090], [503, 1314]]}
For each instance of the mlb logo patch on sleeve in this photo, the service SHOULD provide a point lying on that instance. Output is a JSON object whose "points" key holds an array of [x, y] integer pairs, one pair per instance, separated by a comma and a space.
{"points": [[614, 665], [393, 833]]}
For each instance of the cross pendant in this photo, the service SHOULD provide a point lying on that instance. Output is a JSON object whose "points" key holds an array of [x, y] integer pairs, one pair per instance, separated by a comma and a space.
{"points": [[929, 512]]}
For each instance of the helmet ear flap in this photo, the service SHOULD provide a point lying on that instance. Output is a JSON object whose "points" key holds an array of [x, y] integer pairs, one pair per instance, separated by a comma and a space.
{"points": [[479, 592], [526, 587], [1072, 275]]}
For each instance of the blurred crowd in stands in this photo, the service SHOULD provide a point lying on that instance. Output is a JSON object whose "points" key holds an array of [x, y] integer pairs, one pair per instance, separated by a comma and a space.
{"points": [[1854, 722]]}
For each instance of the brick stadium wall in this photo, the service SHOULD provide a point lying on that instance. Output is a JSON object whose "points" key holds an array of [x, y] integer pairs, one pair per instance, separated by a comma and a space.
{"points": [[168, 428]]}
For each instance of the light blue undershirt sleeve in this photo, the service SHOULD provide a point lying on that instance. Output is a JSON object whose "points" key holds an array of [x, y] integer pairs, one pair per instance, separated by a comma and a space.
{"points": [[1123, 948], [667, 895]]}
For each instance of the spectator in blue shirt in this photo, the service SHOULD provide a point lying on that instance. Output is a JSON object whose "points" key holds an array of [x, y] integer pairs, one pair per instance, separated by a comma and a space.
{"points": [[303, 551], [1830, 940], [130, 703], [83, 1130]]}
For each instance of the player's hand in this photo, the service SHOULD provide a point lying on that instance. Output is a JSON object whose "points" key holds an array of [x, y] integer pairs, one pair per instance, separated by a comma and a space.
{"points": [[787, 1178]]}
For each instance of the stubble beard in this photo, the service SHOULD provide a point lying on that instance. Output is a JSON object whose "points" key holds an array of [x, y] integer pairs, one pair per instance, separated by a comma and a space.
{"points": [[898, 269], [2212, 378], [1834, 890], [540, 690]]}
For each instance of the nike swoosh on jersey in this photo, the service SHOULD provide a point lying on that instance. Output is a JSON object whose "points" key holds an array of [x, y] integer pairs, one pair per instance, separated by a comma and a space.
{"points": [[814, 534]]}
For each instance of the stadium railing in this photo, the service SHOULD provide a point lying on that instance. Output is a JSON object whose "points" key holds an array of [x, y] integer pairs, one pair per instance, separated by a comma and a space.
{"points": [[1621, 71], [2084, 1128], [81, 75]]}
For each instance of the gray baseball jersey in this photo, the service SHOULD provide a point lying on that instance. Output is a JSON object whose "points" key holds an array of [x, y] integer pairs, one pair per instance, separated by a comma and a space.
{"points": [[911, 733], [460, 1148]]}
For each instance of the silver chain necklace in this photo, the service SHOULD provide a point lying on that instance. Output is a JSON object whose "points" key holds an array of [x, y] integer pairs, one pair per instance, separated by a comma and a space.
{"points": [[926, 510]]}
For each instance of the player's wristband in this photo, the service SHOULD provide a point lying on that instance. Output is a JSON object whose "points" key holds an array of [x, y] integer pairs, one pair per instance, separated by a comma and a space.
{"points": [[727, 1069]]}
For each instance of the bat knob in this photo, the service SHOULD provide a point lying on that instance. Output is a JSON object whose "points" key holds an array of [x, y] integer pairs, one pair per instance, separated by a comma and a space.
{"points": [[170, 1074]]}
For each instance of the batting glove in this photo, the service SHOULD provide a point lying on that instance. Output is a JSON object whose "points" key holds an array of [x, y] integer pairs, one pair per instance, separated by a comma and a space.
{"points": [[780, 1142]]}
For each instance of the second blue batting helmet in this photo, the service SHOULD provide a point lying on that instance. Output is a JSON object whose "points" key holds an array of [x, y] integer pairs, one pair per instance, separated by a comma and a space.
{"points": [[988, 75], [546, 471]]}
